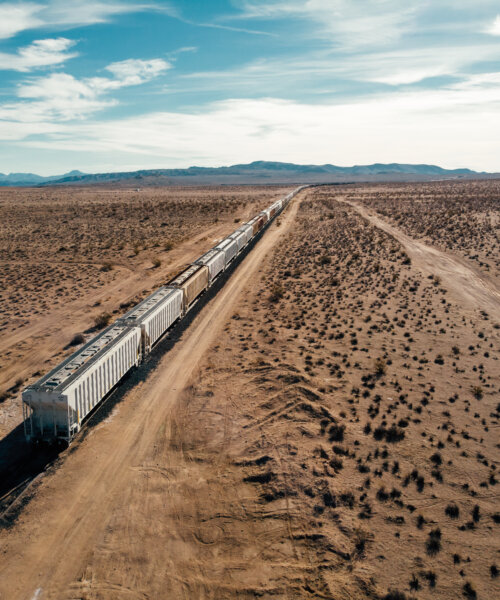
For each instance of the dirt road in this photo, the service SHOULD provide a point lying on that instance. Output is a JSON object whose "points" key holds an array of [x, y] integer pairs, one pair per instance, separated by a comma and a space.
{"points": [[46, 554], [474, 289]]}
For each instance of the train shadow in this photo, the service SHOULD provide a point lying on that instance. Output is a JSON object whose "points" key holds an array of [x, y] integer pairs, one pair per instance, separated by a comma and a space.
{"points": [[21, 462]]}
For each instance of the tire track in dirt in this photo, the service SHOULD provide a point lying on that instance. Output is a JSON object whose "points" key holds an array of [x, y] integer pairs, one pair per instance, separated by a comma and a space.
{"points": [[463, 281], [49, 547]]}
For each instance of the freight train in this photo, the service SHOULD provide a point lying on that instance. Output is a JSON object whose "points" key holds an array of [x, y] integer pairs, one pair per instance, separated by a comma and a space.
{"points": [[56, 406]]}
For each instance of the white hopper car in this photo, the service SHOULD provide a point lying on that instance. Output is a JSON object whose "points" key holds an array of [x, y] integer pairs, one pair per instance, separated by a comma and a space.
{"points": [[215, 260], [230, 248], [154, 315], [55, 406], [242, 236]]}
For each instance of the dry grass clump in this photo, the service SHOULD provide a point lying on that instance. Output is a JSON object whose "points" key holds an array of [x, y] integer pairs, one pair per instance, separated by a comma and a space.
{"points": [[102, 320]]}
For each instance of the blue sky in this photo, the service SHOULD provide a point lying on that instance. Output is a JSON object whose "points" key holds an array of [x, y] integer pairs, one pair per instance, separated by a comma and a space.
{"points": [[123, 84]]}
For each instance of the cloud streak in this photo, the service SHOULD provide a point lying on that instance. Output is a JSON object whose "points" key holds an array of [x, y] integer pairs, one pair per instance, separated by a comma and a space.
{"points": [[63, 14], [41, 53], [343, 22]]}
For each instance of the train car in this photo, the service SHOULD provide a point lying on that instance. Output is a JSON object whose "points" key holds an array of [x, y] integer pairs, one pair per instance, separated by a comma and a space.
{"points": [[215, 260], [258, 223], [265, 216], [247, 229], [240, 237], [230, 248], [254, 224], [55, 405], [154, 315], [193, 282]]}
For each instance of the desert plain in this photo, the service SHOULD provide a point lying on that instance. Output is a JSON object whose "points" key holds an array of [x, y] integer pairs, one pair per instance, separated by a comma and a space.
{"points": [[326, 425]]}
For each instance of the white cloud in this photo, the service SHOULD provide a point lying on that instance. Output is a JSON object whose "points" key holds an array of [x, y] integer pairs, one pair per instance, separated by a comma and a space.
{"points": [[135, 71], [343, 22], [453, 127], [41, 53], [60, 96], [316, 71], [20, 16], [494, 28]]}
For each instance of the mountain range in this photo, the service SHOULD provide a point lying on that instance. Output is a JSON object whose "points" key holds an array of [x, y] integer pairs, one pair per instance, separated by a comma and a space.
{"points": [[255, 172]]}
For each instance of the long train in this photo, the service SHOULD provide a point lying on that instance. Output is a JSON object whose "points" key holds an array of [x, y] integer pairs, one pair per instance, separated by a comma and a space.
{"points": [[55, 406]]}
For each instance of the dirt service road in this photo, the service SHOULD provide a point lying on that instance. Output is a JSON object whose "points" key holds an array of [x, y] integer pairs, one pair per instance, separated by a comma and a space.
{"points": [[460, 278], [46, 553]]}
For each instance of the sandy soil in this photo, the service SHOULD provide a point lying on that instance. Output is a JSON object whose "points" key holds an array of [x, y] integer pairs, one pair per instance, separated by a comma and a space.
{"points": [[326, 427]]}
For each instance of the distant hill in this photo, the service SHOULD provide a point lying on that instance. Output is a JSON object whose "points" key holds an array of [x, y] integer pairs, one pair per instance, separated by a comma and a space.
{"points": [[255, 172], [28, 179]]}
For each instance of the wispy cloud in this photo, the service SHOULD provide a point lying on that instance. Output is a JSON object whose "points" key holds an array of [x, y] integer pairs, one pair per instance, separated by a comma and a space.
{"points": [[63, 97], [41, 53], [134, 71], [318, 69], [342, 22], [63, 14], [494, 28]]}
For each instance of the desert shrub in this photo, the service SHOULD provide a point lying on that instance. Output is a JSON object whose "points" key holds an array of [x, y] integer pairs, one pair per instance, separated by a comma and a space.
{"points": [[102, 320], [277, 292], [361, 538], [168, 246], [452, 511], [395, 595], [477, 392], [156, 263], [77, 339], [324, 260], [468, 591], [382, 495], [380, 367], [433, 543], [107, 266], [392, 435], [336, 433], [436, 458], [414, 583], [336, 463]]}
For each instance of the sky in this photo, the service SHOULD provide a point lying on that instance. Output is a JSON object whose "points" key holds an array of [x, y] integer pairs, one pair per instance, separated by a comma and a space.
{"points": [[118, 85]]}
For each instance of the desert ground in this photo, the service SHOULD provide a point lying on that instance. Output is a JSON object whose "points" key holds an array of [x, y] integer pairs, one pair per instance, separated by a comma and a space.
{"points": [[325, 426]]}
